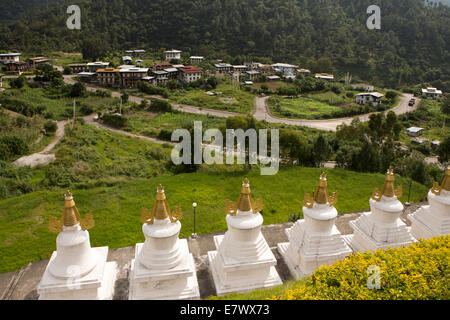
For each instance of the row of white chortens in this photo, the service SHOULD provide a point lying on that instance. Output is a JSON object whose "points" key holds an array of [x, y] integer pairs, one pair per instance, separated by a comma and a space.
{"points": [[163, 267]]}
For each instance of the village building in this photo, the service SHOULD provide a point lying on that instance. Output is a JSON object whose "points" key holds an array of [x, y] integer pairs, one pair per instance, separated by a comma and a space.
{"points": [[17, 66], [432, 93], [190, 74], [135, 53], [87, 77], [374, 98], [108, 76], [366, 87], [252, 74], [324, 76], [240, 68], [94, 66], [6, 58], [36, 62], [253, 65], [77, 67], [414, 131], [223, 67], [304, 72], [127, 60], [172, 73], [173, 54], [139, 63], [284, 68], [161, 66], [197, 59], [273, 78], [161, 77], [130, 77], [149, 79]]}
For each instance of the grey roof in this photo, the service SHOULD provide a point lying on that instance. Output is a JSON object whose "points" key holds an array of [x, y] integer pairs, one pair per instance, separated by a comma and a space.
{"points": [[414, 129]]}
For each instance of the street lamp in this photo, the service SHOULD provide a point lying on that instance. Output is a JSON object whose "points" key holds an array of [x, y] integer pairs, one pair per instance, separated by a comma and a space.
{"points": [[194, 235]]}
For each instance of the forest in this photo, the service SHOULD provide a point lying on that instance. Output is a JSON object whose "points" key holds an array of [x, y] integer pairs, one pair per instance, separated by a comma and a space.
{"points": [[412, 47]]}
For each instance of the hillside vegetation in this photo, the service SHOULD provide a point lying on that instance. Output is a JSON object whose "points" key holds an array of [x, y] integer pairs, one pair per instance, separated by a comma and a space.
{"points": [[411, 47], [417, 272]]}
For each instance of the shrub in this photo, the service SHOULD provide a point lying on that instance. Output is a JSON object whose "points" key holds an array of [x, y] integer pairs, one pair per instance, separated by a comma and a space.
{"points": [[158, 105], [419, 271], [114, 120], [12, 146], [165, 134], [50, 126]]}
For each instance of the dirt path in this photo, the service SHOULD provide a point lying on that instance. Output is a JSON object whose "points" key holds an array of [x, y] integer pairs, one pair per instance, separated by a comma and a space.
{"points": [[43, 157]]}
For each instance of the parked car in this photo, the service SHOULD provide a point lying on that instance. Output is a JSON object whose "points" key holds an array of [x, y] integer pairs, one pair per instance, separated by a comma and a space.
{"points": [[412, 102]]}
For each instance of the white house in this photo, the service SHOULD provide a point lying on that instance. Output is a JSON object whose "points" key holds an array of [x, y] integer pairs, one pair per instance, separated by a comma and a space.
{"points": [[197, 59], [223, 67], [374, 98], [173, 55], [286, 69], [94, 66], [190, 74], [432, 93], [127, 59], [324, 76], [252, 74], [240, 68], [6, 58], [414, 131]]}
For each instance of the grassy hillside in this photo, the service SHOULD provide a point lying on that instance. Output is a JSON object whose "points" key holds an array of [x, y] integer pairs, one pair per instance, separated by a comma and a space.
{"points": [[24, 236]]}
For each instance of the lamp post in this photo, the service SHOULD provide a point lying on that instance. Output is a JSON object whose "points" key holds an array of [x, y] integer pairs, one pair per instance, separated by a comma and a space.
{"points": [[194, 235]]}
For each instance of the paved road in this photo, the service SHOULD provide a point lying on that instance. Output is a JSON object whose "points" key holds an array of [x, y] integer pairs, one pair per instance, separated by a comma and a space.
{"points": [[262, 112]]}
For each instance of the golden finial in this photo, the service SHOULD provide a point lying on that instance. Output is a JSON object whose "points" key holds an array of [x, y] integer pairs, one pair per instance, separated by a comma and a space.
{"points": [[321, 195], [161, 209], [245, 202], [71, 217], [388, 187], [445, 185]]}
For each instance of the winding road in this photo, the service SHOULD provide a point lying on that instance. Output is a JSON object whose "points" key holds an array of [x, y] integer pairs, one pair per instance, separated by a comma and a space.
{"points": [[261, 112]]}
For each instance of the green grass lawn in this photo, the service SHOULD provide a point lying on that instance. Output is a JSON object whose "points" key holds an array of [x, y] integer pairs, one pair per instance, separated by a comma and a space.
{"points": [[301, 107], [24, 236], [150, 124], [64, 59], [60, 107], [242, 103]]}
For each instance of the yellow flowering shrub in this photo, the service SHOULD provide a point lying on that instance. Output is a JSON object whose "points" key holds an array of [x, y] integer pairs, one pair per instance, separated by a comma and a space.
{"points": [[419, 271]]}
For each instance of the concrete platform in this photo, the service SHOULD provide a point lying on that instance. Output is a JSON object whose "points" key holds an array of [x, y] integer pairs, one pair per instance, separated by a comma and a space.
{"points": [[22, 284]]}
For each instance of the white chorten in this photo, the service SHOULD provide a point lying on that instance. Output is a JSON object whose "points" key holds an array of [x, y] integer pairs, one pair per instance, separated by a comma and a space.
{"points": [[163, 268], [314, 240], [382, 226], [76, 271], [243, 260], [434, 219]]}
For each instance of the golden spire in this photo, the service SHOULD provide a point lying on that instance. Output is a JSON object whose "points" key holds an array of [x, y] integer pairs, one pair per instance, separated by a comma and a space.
{"points": [[71, 217], [161, 209], [445, 184], [321, 195], [245, 202], [388, 187]]}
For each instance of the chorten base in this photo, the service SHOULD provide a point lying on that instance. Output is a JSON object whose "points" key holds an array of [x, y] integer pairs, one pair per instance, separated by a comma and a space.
{"points": [[232, 276], [316, 250], [426, 225], [179, 283], [370, 236], [96, 285]]}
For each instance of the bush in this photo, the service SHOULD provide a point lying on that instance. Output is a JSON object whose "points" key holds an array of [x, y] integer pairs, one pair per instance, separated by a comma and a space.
{"points": [[165, 134], [158, 105], [12, 146], [114, 120], [50, 126], [417, 272]]}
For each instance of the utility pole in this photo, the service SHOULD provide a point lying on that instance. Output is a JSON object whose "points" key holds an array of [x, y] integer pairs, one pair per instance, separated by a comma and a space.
{"points": [[74, 113]]}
